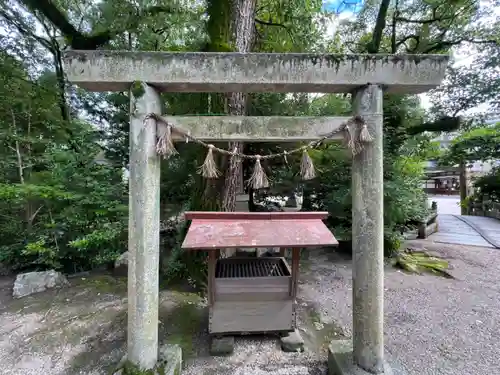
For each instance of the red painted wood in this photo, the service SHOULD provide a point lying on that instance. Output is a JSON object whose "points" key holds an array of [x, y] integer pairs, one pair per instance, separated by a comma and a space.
{"points": [[207, 215], [215, 230]]}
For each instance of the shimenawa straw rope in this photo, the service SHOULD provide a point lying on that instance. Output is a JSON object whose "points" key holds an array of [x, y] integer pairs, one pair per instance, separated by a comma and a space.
{"points": [[354, 138]]}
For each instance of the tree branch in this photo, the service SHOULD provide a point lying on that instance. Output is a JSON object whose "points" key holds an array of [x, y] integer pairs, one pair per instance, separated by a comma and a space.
{"points": [[23, 30], [446, 124], [394, 46], [407, 38], [448, 43], [374, 45], [422, 22], [270, 23], [78, 40]]}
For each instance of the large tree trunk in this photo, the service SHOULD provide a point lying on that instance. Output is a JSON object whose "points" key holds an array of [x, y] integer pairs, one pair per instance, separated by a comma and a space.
{"points": [[243, 32]]}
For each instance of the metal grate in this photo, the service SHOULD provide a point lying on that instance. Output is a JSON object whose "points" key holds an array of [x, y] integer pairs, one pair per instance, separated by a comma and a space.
{"points": [[251, 267]]}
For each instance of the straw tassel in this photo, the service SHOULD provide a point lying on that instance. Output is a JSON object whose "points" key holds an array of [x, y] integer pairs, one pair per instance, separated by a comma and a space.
{"points": [[364, 135], [258, 180], [307, 171], [349, 139], [165, 145], [209, 168]]}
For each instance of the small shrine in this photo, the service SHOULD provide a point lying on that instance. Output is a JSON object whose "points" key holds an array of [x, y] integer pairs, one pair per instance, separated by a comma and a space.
{"points": [[254, 294]]}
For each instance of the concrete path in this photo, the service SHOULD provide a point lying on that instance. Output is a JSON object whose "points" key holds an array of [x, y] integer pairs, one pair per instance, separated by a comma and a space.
{"points": [[468, 230], [486, 227], [463, 230], [452, 230]]}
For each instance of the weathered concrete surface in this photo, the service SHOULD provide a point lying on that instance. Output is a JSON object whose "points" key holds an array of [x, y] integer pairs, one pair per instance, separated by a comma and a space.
{"points": [[340, 360], [170, 358], [144, 231], [486, 227], [253, 72], [222, 345], [257, 129], [368, 236], [454, 231]]}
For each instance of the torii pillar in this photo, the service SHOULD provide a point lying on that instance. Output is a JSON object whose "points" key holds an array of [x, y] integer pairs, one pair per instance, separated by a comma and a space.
{"points": [[366, 76]]}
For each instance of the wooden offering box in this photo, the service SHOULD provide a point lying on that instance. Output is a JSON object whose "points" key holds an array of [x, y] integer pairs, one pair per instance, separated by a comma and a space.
{"points": [[254, 294]]}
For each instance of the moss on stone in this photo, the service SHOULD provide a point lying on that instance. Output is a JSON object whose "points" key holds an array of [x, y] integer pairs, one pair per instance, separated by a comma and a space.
{"points": [[131, 369], [137, 89], [183, 325], [105, 284], [318, 339]]}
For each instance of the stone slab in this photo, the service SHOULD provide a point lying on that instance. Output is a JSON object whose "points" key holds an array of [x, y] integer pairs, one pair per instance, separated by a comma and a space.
{"points": [[221, 346], [340, 361], [170, 359], [256, 128], [253, 72], [292, 342]]}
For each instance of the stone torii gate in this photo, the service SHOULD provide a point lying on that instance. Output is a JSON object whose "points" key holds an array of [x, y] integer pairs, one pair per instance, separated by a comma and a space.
{"points": [[367, 77]]}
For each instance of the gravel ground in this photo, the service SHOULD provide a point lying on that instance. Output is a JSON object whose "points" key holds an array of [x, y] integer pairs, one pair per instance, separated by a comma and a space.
{"points": [[433, 325]]}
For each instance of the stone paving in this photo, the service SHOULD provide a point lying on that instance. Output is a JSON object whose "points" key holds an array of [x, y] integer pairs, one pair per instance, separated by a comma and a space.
{"points": [[455, 228]]}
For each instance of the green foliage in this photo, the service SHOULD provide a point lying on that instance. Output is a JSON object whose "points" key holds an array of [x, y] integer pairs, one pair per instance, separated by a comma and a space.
{"points": [[60, 208], [477, 144], [74, 221], [405, 203], [404, 199], [480, 143], [487, 187]]}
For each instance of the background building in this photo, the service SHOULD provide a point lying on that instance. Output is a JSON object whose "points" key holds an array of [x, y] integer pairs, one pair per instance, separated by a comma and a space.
{"points": [[442, 180]]}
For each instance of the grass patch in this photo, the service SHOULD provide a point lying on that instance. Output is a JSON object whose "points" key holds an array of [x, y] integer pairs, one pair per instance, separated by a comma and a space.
{"points": [[182, 326], [105, 284]]}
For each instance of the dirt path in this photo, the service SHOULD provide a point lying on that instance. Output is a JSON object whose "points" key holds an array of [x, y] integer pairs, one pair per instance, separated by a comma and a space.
{"points": [[433, 325]]}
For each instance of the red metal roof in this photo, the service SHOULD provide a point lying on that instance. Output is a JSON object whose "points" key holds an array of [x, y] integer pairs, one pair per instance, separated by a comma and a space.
{"points": [[216, 230]]}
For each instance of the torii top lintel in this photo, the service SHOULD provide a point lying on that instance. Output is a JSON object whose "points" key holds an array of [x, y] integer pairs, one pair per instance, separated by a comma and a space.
{"points": [[253, 72], [218, 230]]}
